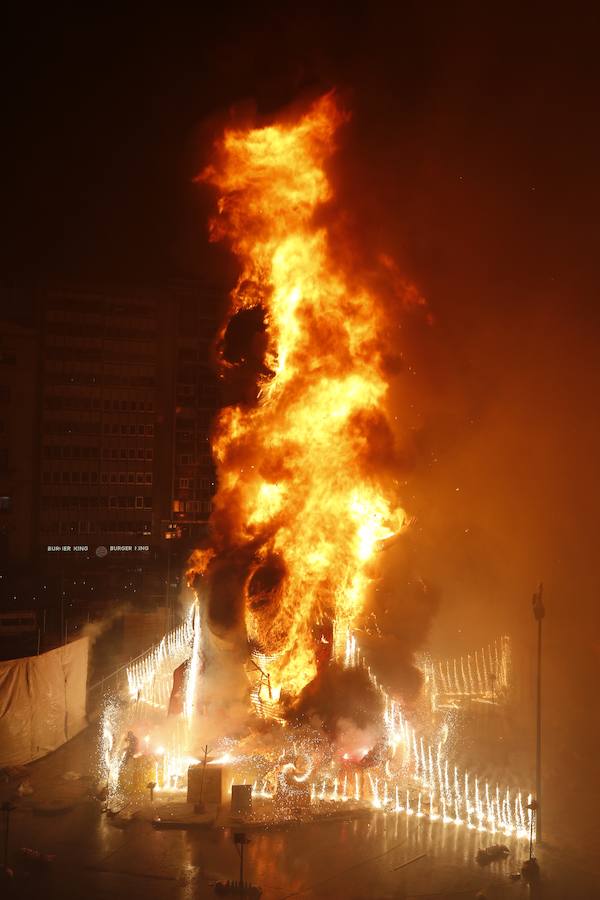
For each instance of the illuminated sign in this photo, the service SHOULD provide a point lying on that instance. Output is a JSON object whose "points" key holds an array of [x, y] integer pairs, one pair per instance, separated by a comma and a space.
{"points": [[67, 548], [100, 551]]}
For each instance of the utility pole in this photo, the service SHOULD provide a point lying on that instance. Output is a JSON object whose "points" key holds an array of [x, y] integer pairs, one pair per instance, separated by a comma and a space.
{"points": [[538, 612]]}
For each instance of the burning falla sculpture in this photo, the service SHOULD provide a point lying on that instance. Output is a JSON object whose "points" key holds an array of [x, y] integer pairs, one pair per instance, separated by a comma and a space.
{"points": [[304, 448], [266, 665]]}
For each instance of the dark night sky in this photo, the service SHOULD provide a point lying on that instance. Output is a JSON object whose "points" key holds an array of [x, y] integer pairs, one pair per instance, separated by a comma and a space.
{"points": [[476, 117], [472, 158]]}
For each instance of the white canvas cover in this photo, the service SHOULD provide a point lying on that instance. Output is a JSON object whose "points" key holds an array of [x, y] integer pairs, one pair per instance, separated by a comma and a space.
{"points": [[42, 702]]}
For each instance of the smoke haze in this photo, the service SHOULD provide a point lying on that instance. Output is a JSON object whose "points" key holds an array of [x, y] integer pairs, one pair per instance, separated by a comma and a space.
{"points": [[471, 159]]}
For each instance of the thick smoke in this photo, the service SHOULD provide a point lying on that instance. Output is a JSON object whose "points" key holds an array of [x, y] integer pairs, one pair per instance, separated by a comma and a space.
{"points": [[400, 611], [222, 690], [224, 589], [96, 629], [241, 352], [345, 705]]}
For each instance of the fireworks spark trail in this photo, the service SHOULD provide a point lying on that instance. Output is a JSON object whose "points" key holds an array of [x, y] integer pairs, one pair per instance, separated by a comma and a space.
{"points": [[150, 677], [194, 664], [430, 770], [482, 675], [423, 778]]}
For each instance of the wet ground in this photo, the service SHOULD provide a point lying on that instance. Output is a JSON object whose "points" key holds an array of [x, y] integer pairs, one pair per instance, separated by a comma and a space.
{"points": [[370, 857]]}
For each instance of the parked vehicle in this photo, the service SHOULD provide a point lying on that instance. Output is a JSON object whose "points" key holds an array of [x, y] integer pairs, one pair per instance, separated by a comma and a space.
{"points": [[489, 854]]}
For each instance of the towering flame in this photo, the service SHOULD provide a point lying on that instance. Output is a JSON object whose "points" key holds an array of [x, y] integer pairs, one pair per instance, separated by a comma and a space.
{"points": [[303, 499]]}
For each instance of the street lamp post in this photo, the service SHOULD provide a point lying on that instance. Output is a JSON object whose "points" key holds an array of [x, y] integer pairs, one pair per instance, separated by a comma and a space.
{"points": [[538, 612], [168, 598], [533, 807]]}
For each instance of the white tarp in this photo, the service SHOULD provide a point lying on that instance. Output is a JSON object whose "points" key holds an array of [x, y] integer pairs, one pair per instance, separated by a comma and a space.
{"points": [[42, 702]]}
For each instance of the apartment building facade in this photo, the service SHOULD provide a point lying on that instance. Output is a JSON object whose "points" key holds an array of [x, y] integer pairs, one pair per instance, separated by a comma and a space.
{"points": [[126, 396], [18, 403]]}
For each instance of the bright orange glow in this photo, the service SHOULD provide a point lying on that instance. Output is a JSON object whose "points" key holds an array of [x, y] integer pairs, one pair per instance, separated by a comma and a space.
{"points": [[295, 473]]}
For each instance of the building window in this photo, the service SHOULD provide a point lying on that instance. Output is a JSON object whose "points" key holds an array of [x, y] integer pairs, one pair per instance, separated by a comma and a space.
{"points": [[139, 502], [184, 483], [5, 504]]}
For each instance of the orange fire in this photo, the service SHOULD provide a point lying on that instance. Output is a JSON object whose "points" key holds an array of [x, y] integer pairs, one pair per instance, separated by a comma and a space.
{"points": [[298, 479]]}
